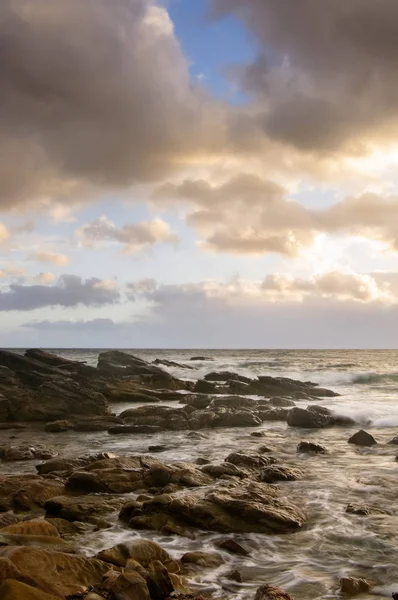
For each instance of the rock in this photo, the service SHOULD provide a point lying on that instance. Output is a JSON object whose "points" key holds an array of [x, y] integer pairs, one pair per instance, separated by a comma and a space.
{"points": [[362, 438], [281, 402], [227, 376], [40, 541], [364, 510], [17, 453], [94, 425], [38, 527], [61, 465], [270, 592], [27, 492], [224, 470], [203, 559], [8, 518], [44, 568], [58, 426], [158, 581], [394, 441], [249, 462], [202, 461], [205, 387], [233, 402], [235, 575], [251, 507], [158, 448], [240, 419], [305, 446], [265, 449], [16, 590], [275, 473], [283, 386], [308, 418], [353, 586], [126, 586], [82, 508], [201, 358], [143, 552], [170, 363], [258, 434], [232, 546]]}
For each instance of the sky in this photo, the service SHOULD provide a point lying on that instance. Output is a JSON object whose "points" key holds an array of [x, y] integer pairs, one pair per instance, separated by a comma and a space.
{"points": [[199, 174]]}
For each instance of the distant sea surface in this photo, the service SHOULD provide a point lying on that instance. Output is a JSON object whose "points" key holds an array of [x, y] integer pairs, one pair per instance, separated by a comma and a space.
{"points": [[334, 544]]}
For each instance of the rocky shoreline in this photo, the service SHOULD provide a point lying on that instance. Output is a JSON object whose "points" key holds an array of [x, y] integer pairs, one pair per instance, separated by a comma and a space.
{"points": [[43, 515]]}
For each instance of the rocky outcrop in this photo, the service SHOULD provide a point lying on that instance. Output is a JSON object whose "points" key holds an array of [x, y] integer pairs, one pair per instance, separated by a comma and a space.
{"points": [[352, 586], [314, 417], [33, 452], [305, 446], [270, 592], [27, 492], [362, 438], [11, 589], [243, 507]]}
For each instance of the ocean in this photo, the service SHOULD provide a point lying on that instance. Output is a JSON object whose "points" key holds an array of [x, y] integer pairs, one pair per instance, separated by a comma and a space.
{"points": [[308, 564]]}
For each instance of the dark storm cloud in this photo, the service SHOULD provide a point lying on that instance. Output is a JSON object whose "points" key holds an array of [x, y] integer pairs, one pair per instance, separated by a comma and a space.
{"points": [[325, 77], [70, 291], [92, 94]]}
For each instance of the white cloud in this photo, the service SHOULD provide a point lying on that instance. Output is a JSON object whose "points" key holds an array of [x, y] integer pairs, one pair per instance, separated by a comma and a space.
{"points": [[48, 256]]}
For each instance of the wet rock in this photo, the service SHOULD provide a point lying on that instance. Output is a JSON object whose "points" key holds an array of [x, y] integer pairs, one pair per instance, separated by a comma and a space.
{"points": [[202, 461], [394, 441], [40, 541], [95, 425], [226, 376], [205, 387], [27, 492], [352, 586], [9, 571], [61, 465], [281, 402], [143, 552], [44, 568], [235, 575], [224, 469], [82, 508], [158, 449], [364, 510], [126, 586], [249, 462], [271, 592], [58, 426], [265, 449], [158, 581], [8, 518], [305, 446], [251, 507], [258, 434], [240, 419], [203, 559], [171, 363], [275, 473], [362, 438], [38, 527], [309, 418], [283, 386], [233, 402], [201, 358], [16, 590], [18, 453], [232, 546], [199, 401]]}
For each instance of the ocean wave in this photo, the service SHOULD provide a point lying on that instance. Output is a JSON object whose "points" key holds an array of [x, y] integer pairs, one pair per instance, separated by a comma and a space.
{"points": [[375, 378]]}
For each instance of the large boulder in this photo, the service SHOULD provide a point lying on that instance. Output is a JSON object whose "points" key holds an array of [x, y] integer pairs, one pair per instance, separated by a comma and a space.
{"points": [[16, 590], [248, 507], [82, 508], [271, 592], [309, 447], [27, 492], [142, 551], [311, 417], [56, 573], [362, 438]]}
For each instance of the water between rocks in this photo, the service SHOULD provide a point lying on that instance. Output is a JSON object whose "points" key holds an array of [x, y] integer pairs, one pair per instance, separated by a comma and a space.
{"points": [[334, 543]]}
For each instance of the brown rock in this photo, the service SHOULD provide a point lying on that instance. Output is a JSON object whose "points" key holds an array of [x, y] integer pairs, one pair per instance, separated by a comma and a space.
{"points": [[158, 581], [235, 575], [362, 438], [58, 426], [353, 586], [270, 592], [311, 447], [82, 508], [45, 568], [232, 546], [143, 552], [275, 473], [129, 585], [27, 492], [16, 590], [39, 527]]}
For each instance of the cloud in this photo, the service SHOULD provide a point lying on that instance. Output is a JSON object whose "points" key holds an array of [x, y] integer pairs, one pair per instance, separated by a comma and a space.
{"points": [[45, 278], [94, 95], [69, 291], [93, 325], [135, 237], [324, 79], [4, 233], [48, 256], [248, 214]]}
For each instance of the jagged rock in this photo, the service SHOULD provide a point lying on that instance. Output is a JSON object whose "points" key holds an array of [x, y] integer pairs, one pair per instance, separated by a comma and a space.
{"points": [[249, 462], [271, 592], [8, 518], [305, 446], [170, 363], [275, 473], [224, 469], [201, 358], [17, 453], [281, 402], [251, 507], [27, 492], [205, 387], [364, 510], [310, 417], [44, 568], [126, 586], [232, 546], [226, 376], [362, 438], [353, 586]]}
